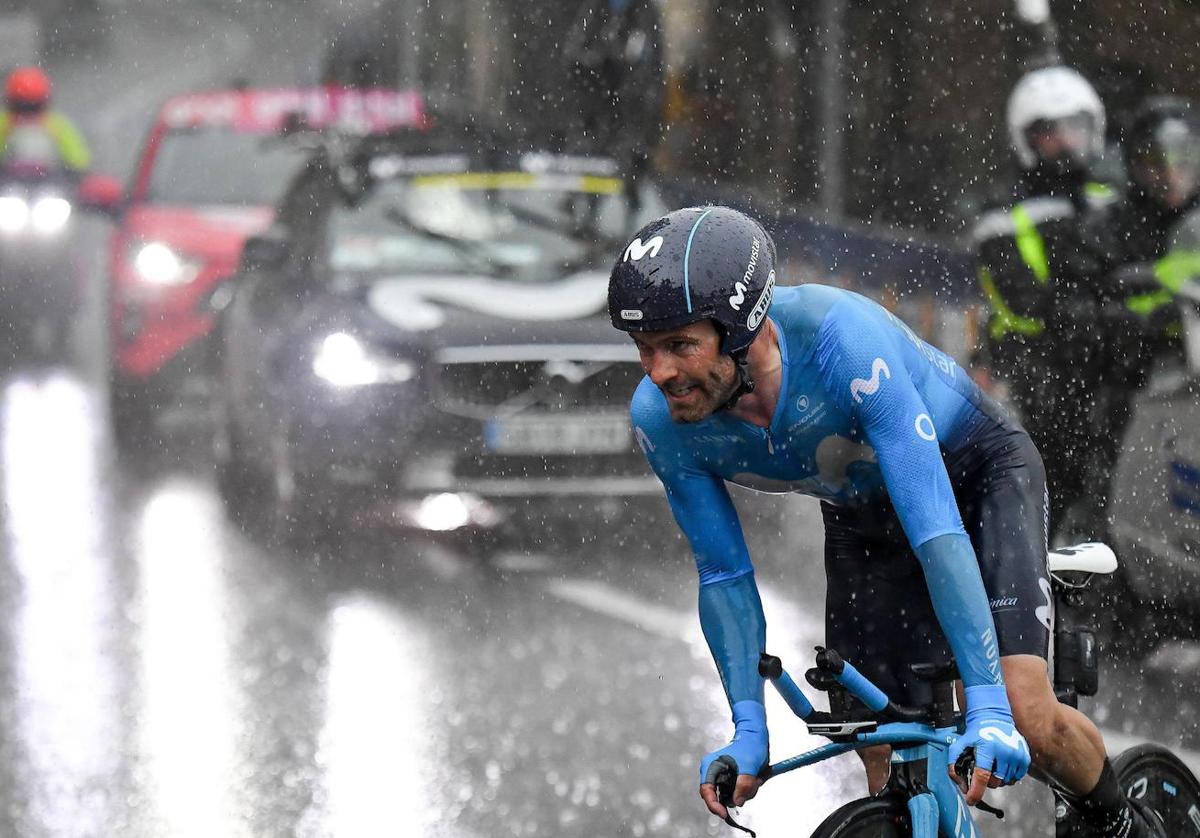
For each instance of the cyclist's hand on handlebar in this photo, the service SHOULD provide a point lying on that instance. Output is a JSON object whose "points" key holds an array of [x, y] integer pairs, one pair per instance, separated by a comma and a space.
{"points": [[972, 782], [1001, 753], [727, 788], [729, 776]]}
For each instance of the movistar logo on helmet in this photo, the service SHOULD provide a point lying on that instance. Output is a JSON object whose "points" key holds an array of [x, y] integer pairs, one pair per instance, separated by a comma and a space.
{"points": [[637, 250], [739, 290], [764, 302]]}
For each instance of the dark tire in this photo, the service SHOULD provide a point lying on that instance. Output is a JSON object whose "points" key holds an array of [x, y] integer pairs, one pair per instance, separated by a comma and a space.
{"points": [[240, 485], [1158, 778], [875, 817], [300, 513], [133, 408]]}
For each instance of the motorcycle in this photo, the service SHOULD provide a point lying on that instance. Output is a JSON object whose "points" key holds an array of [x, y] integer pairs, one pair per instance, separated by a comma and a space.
{"points": [[37, 275]]}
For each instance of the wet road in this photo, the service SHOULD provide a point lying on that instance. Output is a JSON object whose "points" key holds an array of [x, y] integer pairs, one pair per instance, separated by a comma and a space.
{"points": [[166, 673]]}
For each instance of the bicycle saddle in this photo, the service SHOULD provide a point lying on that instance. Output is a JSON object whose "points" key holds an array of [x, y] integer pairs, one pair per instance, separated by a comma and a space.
{"points": [[1089, 557]]}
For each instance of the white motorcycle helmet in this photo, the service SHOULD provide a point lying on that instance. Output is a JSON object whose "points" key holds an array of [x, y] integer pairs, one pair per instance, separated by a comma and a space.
{"points": [[1055, 110]]}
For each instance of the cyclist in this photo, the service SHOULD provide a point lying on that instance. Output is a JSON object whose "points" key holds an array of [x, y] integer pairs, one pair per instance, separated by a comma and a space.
{"points": [[1040, 265], [933, 500], [32, 133]]}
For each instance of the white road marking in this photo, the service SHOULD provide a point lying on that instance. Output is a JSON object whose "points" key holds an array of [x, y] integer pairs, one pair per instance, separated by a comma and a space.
{"points": [[522, 562], [660, 620]]}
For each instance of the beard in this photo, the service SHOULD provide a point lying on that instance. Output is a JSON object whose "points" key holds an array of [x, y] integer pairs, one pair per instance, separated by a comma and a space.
{"points": [[710, 393]]}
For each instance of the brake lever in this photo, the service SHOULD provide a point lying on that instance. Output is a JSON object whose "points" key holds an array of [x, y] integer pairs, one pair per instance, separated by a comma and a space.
{"points": [[724, 779], [723, 775], [984, 806], [964, 767]]}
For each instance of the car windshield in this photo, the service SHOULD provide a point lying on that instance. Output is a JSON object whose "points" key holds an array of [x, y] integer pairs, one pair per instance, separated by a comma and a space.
{"points": [[218, 166], [523, 226]]}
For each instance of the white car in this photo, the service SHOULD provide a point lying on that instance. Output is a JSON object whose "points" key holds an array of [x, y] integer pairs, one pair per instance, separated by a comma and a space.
{"points": [[1155, 506]]}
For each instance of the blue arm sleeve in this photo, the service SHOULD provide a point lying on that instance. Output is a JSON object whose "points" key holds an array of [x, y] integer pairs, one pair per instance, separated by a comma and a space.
{"points": [[731, 614], [863, 366], [961, 605], [732, 618]]}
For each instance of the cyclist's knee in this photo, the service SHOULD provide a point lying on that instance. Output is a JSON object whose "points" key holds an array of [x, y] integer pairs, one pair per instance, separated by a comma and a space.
{"points": [[1043, 726]]}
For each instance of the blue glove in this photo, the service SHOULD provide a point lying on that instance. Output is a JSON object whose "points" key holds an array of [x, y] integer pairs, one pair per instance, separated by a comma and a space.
{"points": [[749, 746], [999, 747]]}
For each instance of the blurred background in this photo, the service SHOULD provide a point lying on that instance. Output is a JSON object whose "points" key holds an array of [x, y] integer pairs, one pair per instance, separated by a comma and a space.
{"points": [[299, 541]]}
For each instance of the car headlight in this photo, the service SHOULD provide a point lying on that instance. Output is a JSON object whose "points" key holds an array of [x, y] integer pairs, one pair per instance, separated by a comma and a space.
{"points": [[14, 213], [158, 264], [49, 214], [343, 361]]}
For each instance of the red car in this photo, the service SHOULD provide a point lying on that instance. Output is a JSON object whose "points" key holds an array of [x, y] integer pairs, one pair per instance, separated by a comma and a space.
{"points": [[213, 166]]}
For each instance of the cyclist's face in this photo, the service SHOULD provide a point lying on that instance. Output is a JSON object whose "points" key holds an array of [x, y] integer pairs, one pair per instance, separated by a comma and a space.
{"points": [[687, 365]]}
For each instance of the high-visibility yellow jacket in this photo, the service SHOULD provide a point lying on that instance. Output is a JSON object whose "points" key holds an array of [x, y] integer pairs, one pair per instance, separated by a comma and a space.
{"points": [[72, 149], [1037, 259]]}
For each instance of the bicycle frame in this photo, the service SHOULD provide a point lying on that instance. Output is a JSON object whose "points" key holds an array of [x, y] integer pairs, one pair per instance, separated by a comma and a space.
{"points": [[922, 749], [918, 751]]}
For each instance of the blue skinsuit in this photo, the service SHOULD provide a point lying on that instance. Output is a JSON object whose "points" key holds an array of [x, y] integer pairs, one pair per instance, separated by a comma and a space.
{"points": [[865, 410]]}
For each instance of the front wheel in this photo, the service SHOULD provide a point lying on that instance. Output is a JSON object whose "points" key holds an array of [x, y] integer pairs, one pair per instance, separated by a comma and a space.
{"points": [[874, 817], [1155, 776]]}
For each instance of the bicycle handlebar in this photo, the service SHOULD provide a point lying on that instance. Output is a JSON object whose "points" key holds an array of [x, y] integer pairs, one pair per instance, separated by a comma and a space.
{"points": [[910, 725], [831, 664], [771, 668], [853, 680]]}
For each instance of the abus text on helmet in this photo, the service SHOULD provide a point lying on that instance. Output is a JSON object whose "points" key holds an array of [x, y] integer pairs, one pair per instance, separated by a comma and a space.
{"points": [[764, 302]]}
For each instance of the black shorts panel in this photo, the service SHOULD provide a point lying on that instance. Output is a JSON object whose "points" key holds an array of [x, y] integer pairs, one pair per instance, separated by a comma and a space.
{"points": [[878, 611]]}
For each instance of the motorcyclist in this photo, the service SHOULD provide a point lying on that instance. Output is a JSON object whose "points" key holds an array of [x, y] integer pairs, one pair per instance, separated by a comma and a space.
{"points": [[1040, 262], [31, 133]]}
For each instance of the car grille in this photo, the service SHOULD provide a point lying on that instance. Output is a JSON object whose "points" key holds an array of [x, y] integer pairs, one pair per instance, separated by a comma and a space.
{"points": [[497, 388], [507, 392], [533, 467]]}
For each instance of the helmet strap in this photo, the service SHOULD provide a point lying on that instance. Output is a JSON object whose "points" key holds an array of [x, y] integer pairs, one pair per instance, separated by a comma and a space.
{"points": [[745, 382]]}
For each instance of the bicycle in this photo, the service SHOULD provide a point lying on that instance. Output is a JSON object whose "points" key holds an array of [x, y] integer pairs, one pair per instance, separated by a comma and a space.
{"points": [[920, 800]]}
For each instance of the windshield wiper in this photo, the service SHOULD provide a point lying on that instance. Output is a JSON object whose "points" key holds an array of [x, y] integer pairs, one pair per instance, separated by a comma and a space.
{"points": [[576, 229], [473, 250]]}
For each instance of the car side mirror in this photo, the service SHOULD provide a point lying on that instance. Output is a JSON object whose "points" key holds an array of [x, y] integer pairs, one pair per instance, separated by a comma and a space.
{"points": [[101, 193], [265, 252]]}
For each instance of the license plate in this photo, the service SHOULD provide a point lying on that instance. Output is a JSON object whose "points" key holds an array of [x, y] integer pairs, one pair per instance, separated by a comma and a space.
{"points": [[558, 435]]}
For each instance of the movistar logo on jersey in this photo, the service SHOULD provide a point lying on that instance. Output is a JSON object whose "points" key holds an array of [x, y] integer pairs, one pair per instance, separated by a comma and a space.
{"points": [[860, 387], [764, 302], [637, 250], [739, 290], [924, 427], [1044, 613]]}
